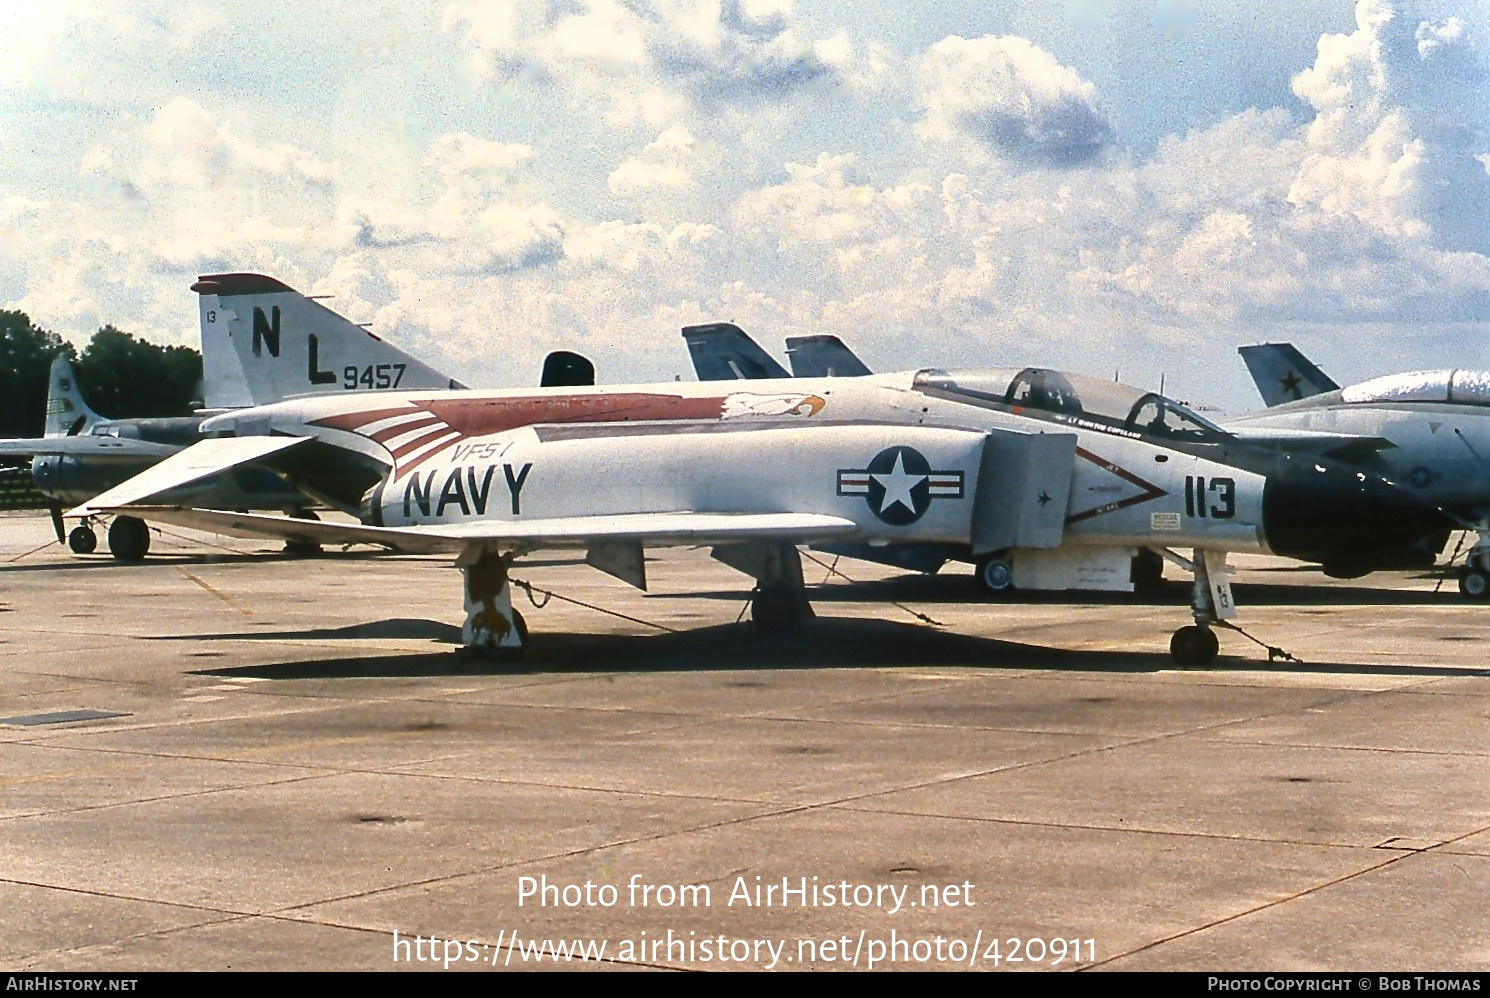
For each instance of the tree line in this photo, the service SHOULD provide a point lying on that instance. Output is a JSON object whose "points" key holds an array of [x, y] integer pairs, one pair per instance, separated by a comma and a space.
{"points": [[120, 376]]}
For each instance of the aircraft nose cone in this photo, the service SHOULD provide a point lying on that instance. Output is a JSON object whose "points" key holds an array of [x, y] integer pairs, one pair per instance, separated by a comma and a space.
{"points": [[1348, 520]]}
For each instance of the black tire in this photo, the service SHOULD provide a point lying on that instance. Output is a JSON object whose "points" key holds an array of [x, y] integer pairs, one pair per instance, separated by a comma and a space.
{"points": [[82, 540], [995, 577], [129, 538], [303, 548], [774, 609], [1194, 645], [522, 627], [1474, 584], [1147, 574], [504, 653]]}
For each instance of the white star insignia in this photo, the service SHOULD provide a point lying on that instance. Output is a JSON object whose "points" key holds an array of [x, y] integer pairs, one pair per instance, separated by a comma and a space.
{"points": [[897, 485]]}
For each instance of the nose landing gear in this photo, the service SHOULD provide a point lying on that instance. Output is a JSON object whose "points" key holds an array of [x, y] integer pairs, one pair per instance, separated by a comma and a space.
{"points": [[1210, 602]]}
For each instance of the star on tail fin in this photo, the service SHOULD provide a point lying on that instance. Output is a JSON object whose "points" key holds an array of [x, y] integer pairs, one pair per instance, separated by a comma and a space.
{"points": [[1282, 374]]}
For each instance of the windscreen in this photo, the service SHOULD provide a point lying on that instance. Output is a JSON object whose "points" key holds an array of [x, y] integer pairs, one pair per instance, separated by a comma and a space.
{"points": [[1072, 398]]}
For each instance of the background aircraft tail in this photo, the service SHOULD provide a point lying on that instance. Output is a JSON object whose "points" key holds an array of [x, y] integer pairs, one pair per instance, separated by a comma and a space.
{"points": [[67, 414], [721, 351], [565, 369], [1282, 374], [823, 356], [263, 341]]}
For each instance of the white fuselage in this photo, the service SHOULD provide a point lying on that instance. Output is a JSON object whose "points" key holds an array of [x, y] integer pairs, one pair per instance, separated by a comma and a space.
{"points": [[671, 446]]}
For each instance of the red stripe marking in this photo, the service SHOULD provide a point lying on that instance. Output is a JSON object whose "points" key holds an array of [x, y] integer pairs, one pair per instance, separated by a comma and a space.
{"points": [[421, 440], [388, 433]]}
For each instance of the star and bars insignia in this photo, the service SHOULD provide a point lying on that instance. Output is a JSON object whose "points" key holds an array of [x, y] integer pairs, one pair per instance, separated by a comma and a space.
{"points": [[899, 485]]}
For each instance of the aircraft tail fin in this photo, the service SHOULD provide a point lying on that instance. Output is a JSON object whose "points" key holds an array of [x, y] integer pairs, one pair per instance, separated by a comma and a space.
{"points": [[823, 356], [67, 414], [1283, 374], [263, 341], [722, 351]]}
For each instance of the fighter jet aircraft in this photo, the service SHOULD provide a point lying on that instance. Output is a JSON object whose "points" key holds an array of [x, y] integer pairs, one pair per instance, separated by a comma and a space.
{"points": [[909, 458], [1429, 431], [262, 341], [82, 454]]}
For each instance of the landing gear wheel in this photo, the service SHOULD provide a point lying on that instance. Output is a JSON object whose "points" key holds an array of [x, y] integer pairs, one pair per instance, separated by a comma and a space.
{"points": [[82, 540], [129, 538], [1474, 584], [1147, 574], [1194, 645], [505, 653], [775, 609], [995, 577], [303, 548]]}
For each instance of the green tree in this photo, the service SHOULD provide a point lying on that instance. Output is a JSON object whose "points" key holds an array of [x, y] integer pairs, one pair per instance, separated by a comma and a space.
{"points": [[26, 354], [123, 377]]}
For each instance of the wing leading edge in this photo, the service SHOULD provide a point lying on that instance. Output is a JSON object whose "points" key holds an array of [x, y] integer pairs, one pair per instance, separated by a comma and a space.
{"points": [[653, 529]]}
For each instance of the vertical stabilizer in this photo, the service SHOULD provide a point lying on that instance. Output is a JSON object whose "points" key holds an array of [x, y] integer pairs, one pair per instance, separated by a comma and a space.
{"points": [[67, 413], [823, 356], [263, 341], [722, 351], [1282, 374]]}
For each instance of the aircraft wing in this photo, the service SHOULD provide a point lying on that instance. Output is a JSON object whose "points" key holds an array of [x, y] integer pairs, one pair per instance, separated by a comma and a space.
{"points": [[201, 460], [1345, 446], [97, 447], [658, 529]]}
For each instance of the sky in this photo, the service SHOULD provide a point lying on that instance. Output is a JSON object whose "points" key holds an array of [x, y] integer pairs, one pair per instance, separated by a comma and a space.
{"points": [[1126, 189]]}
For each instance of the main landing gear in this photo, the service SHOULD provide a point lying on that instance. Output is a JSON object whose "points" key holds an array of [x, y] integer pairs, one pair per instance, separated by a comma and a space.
{"points": [[1474, 576], [778, 604], [128, 536], [995, 576], [299, 548], [493, 627]]}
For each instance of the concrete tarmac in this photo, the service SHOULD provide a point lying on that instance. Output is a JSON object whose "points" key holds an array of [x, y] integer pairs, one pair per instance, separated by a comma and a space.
{"points": [[288, 761]]}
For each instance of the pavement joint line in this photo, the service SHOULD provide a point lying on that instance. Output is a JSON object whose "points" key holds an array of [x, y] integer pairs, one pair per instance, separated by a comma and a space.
{"points": [[1388, 749], [79, 950], [215, 592], [1077, 754], [511, 946], [1397, 858], [168, 797], [782, 812], [1134, 829], [322, 770], [114, 896], [548, 858]]}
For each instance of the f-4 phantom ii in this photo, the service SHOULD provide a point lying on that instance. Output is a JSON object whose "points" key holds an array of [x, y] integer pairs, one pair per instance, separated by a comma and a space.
{"points": [[1072, 400], [754, 469], [262, 341], [1432, 429]]}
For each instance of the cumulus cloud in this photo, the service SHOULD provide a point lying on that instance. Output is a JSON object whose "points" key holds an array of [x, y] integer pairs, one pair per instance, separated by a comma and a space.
{"points": [[1015, 98], [670, 162], [965, 203], [1400, 114], [706, 53]]}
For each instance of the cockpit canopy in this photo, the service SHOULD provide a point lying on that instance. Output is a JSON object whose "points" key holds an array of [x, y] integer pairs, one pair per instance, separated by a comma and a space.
{"points": [[1460, 387], [1073, 396]]}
